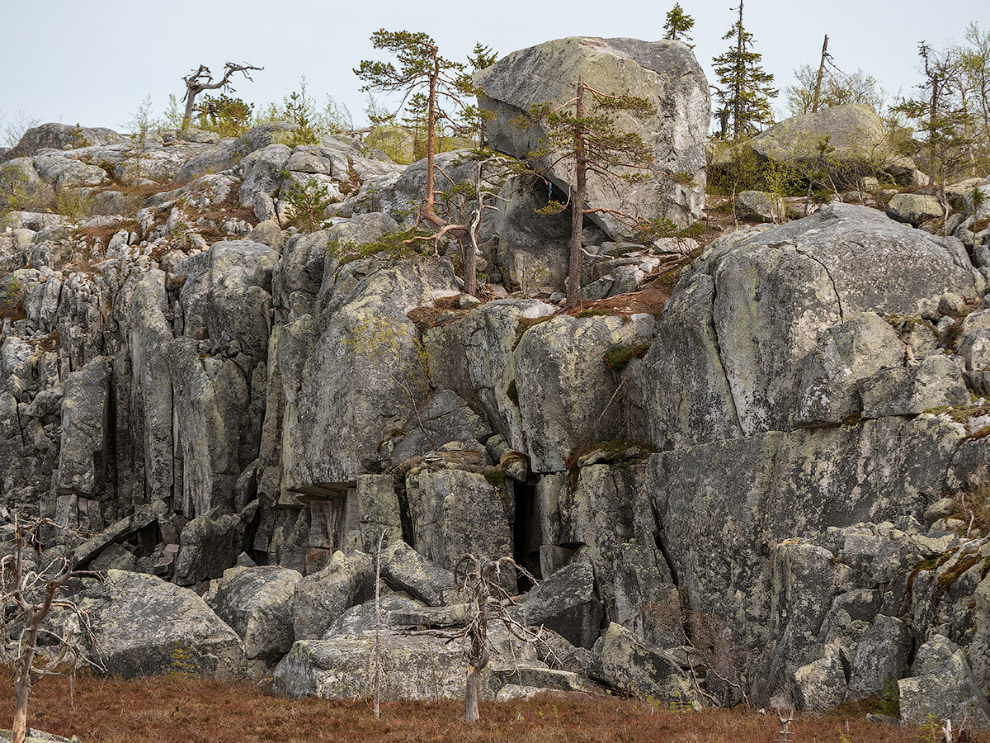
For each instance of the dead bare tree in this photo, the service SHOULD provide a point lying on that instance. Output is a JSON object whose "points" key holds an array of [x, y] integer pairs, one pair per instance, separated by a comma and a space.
{"points": [[378, 627], [481, 578], [202, 79], [28, 594]]}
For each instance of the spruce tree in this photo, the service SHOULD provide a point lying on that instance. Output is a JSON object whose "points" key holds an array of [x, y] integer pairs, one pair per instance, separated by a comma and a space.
{"points": [[745, 88], [678, 24]]}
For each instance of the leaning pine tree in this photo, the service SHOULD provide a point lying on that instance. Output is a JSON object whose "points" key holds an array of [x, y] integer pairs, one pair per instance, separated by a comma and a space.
{"points": [[745, 88], [581, 134], [437, 90]]}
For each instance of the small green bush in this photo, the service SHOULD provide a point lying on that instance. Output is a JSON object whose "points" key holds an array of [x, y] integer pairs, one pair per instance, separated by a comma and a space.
{"points": [[309, 204]]}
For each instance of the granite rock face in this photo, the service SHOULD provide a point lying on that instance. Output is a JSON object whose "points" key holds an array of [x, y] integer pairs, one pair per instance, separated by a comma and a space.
{"points": [[765, 465]]}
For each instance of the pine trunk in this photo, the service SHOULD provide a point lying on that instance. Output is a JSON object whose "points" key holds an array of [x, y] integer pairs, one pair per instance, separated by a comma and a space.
{"points": [[577, 205]]}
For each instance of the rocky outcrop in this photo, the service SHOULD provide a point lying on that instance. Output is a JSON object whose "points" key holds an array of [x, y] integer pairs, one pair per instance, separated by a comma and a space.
{"points": [[739, 333], [856, 144], [777, 476], [257, 604], [142, 625], [665, 73]]}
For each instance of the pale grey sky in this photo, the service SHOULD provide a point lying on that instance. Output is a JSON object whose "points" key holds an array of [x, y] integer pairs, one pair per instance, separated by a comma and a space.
{"points": [[92, 62]]}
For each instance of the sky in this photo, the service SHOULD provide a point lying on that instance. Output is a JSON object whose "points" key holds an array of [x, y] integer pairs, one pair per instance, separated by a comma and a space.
{"points": [[93, 62]]}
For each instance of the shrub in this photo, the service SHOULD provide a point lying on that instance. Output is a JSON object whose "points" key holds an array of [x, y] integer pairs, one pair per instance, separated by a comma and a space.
{"points": [[308, 204]]}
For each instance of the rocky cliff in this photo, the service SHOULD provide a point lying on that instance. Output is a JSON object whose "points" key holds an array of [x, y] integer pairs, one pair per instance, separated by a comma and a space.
{"points": [[775, 480]]}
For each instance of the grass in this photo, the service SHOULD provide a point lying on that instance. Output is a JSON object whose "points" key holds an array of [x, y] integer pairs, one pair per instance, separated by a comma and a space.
{"points": [[618, 358], [177, 708]]}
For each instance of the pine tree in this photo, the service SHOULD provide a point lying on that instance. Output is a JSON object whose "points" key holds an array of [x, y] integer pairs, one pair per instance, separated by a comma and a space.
{"points": [[583, 132], [678, 24], [746, 88]]}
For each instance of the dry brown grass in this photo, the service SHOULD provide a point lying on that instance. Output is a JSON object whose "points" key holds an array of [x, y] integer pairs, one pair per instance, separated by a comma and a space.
{"points": [[170, 709]]}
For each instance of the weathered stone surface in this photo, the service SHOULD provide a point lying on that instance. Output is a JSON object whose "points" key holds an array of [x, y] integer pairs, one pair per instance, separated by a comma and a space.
{"points": [[566, 390], [366, 343], [760, 206], [665, 73], [881, 657], [338, 668], [846, 355], [732, 342], [566, 603], [733, 498], [380, 511], [914, 209], [455, 512], [257, 603], [821, 684], [431, 668], [322, 597], [444, 418], [208, 545], [608, 514], [935, 382], [143, 626], [943, 686], [85, 418], [474, 357], [404, 569], [629, 665]]}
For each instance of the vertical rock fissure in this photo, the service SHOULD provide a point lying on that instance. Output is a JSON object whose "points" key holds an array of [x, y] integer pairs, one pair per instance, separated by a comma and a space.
{"points": [[718, 353], [838, 297]]}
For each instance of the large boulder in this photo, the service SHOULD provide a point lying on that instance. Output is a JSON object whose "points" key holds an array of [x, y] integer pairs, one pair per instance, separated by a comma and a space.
{"points": [[732, 342], [566, 603], [942, 686], [319, 599], [416, 667], [257, 603], [456, 512], [404, 569], [665, 73], [632, 666], [142, 626], [856, 140], [59, 137]]}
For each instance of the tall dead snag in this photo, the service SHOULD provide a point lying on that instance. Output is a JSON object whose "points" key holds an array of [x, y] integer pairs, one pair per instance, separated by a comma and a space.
{"points": [[202, 79], [481, 578], [28, 593], [582, 133]]}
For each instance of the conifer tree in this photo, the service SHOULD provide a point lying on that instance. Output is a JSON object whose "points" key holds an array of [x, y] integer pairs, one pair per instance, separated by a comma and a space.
{"points": [[745, 87], [437, 90], [583, 133], [678, 25]]}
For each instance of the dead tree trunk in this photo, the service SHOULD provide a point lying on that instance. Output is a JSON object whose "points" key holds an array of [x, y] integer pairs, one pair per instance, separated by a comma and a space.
{"points": [[202, 79], [577, 204], [821, 74]]}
